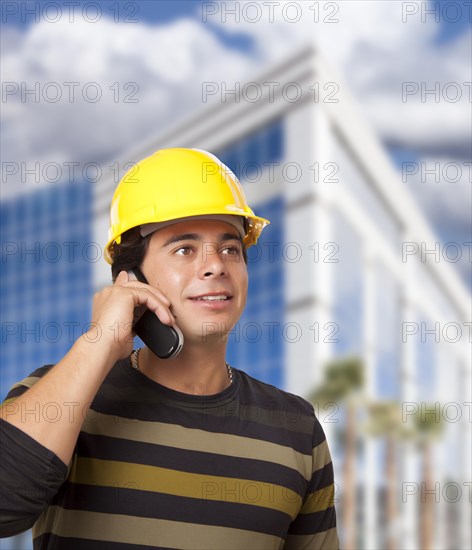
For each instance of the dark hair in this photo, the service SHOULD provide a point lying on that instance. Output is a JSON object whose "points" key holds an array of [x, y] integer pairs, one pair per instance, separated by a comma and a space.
{"points": [[131, 251]]}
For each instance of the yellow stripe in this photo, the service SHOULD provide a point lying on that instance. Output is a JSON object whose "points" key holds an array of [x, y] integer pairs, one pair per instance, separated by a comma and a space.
{"points": [[7, 401], [321, 456], [179, 437], [26, 382], [148, 531], [109, 473], [319, 500]]}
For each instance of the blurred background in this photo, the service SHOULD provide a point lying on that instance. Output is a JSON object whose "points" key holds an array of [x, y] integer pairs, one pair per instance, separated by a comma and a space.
{"points": [[348, 124]]}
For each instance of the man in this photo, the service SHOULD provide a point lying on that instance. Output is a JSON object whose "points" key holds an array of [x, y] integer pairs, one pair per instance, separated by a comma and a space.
{"points": [[184, 452]]}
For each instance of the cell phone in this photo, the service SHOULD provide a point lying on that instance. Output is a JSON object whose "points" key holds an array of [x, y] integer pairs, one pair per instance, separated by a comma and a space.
{"points": [[163, 340]]}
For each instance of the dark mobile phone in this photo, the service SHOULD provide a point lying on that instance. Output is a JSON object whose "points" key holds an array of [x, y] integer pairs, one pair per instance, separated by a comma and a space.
{"points": [[163, 340]]}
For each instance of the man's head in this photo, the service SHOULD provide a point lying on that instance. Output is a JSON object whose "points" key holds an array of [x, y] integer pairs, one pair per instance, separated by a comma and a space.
{"points": [[181, 216], [172, 185]]}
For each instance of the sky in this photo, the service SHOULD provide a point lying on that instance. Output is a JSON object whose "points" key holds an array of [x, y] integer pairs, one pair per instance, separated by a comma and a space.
{"points": [[150, 59]]}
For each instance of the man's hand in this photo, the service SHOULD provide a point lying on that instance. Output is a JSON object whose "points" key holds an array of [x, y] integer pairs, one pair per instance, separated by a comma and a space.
{"points": [[117, 307]]}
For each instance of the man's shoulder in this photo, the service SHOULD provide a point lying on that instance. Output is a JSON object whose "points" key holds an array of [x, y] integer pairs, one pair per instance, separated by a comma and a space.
{"points": [[264, 391]]}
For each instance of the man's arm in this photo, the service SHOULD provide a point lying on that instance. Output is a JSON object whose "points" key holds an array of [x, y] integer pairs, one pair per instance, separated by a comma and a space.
{"points": [[74, 381], [315, 525], [30, 479]]}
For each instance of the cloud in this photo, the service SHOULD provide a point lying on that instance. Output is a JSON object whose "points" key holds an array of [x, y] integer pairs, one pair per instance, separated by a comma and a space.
{"points": [[82, 92], [384, 52]]}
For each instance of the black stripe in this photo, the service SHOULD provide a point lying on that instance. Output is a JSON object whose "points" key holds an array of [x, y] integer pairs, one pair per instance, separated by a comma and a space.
{"points": [[321, 478], [123, 450], [16, 392], [283, 407], [231, 420], [318, 434], [203, 511], [307, 524], [39, 373], [257, 401], [230, 425], [139, 388]]}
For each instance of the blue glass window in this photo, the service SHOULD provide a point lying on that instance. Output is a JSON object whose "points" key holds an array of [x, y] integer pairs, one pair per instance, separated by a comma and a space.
{"points": [[388, 341], [348, 289], [256, 345], [48, 288]]}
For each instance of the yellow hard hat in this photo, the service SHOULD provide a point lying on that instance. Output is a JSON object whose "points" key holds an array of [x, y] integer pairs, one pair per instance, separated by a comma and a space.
{"points": [[178, 183]]}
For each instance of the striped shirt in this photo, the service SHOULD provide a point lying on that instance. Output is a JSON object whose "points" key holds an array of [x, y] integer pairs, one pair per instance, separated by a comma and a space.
{"points": [[156, 468]]}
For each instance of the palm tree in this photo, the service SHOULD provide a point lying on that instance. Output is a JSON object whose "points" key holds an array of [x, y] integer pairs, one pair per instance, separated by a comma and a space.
{"points": [[427, 428], [343, 379], [384, 419]]}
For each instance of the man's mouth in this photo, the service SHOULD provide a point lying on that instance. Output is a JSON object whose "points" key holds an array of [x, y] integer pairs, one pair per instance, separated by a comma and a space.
{"points": [[213, 297]]}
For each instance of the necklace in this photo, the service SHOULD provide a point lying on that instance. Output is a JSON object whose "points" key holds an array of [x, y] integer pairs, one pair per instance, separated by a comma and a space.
{"points": [[135, 364]]}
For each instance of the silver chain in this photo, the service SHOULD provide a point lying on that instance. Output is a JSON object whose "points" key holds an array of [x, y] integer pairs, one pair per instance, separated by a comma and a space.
{"points": [[135, 364]]}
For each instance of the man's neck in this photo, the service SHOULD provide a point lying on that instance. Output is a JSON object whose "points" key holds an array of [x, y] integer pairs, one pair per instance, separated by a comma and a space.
{"points": [[194, 371]]}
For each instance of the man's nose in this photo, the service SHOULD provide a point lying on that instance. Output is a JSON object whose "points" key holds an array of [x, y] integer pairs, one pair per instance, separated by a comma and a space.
{"points": [[212, 261]]}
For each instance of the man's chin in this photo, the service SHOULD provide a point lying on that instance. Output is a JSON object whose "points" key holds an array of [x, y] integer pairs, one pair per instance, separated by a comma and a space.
{"points": [[211, 332]]}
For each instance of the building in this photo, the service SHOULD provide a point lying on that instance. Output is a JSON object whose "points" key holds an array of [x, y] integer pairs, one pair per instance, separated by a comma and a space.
{"points": [[338, 273]]}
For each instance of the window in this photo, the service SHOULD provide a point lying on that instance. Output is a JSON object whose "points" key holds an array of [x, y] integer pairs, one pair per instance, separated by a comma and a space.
{"points": [[248, 155], [256, 343], [388, 338], [348, 288], [45, 303]]}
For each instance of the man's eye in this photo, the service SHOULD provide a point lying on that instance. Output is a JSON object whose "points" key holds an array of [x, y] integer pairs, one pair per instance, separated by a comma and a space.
{"points": [[231, 250], [184, 250]]}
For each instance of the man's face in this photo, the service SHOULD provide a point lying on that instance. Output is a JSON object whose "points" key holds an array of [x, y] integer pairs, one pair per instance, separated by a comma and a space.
{"points": [[199, 266]]}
